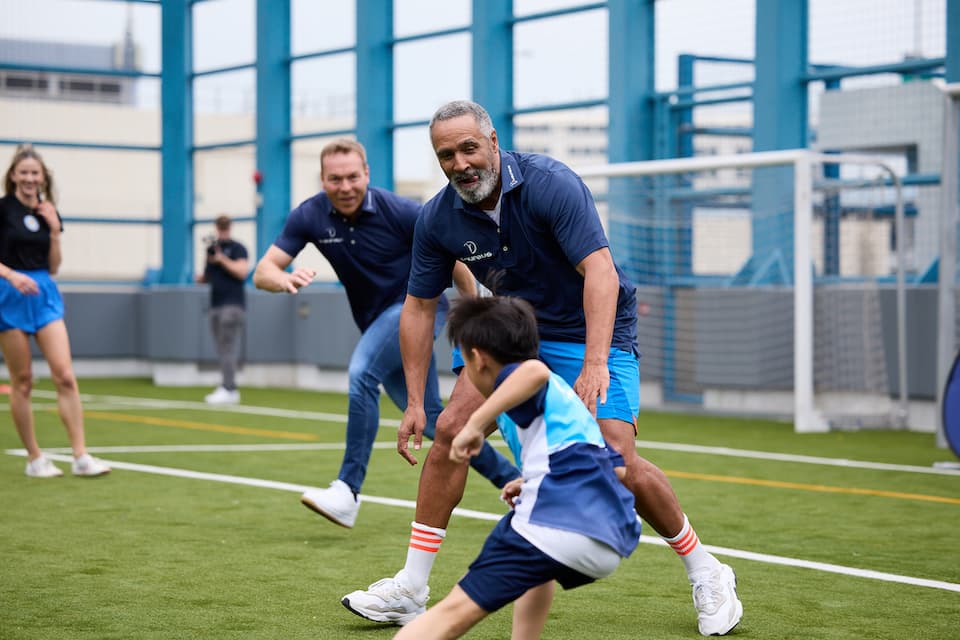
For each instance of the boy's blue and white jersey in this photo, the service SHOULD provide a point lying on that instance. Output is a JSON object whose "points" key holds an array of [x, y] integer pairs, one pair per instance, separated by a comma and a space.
{"points": [[568, 477]]}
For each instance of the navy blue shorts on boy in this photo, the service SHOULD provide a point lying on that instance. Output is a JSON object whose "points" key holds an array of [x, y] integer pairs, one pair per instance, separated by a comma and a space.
{"points": [[30, 313], [508, 566]]}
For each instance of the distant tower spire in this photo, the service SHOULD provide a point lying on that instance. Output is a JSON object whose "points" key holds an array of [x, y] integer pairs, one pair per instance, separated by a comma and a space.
{"points": [[129, 56]]}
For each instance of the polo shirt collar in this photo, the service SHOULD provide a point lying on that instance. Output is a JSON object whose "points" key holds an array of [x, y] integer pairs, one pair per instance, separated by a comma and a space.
{"points": [[510, 178], [367, 206]]}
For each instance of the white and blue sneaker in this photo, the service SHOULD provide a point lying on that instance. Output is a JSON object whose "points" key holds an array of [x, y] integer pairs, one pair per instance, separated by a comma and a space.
{"points": [[388, 600], [715, 597]]}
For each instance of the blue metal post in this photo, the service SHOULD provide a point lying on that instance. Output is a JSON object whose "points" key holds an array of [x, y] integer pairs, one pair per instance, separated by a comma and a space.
{"points": [[683, 210], [831, 212], [631, 80], [375, 87], [780, 122], [176, 101], [685, 63], [953, 41], [492, 64], [631, 130], [273, 119]]}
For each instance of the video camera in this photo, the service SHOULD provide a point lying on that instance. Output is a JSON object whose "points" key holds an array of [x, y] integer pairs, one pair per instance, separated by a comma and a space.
{"points": [[210, 242]]}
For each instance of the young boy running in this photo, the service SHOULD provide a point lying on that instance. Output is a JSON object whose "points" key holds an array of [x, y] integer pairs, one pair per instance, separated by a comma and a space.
{"points": [[572, 519]]}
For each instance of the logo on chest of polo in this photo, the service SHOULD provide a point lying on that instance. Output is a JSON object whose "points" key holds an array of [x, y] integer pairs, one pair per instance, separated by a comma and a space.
{"points": [[472, 255], [331, 238], [513, 178]]}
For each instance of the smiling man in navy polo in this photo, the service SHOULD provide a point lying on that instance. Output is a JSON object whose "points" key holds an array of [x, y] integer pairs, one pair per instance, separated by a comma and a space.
{"points": [[526, 226], [366, 235]]}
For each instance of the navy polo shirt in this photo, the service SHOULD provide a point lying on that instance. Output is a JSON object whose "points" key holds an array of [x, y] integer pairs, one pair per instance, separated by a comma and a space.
{"points": [[548, 225], [370, 254]]}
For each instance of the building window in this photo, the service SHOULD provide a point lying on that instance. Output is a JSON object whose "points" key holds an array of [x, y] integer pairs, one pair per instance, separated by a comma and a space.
{"points": [[80, 86], [19, 82]]}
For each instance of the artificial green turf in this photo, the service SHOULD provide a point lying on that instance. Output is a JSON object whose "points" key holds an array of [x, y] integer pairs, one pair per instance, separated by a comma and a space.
{"points": [[136, 555]]}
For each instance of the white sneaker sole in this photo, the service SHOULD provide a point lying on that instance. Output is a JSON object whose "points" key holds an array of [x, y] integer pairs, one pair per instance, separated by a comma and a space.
{"points": [[98, 474], [332, 517], [385, 617]]}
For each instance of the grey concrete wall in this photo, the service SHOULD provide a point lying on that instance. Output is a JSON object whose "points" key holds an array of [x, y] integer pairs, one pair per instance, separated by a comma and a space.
{"points": [[723, 338]]}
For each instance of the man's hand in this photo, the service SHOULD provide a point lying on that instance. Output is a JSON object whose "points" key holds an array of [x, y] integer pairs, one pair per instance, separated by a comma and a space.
{"points": [[297, 279], [413, 423], [593, 382]]}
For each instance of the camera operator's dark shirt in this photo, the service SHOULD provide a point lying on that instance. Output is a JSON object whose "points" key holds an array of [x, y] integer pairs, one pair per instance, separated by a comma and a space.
{"points": [[224, 288]]}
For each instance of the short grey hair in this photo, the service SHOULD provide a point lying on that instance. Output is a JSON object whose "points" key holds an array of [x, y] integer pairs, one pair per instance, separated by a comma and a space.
{"points": [[459, 108]]}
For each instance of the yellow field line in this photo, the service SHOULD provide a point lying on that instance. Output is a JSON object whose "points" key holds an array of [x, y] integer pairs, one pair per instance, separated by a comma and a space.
{"points": [[200, 426], [294, 435], [811, 487]]}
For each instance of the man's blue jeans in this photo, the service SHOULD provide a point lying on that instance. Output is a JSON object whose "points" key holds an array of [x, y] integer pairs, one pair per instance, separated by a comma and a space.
{"points": [[376, 361]]}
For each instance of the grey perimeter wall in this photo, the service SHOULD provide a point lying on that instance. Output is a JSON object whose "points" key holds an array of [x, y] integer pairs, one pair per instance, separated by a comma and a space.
{"points": [[706, 348]]}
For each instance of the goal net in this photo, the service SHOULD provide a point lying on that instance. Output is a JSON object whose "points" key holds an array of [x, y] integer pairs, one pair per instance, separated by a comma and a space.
{"points": [[768, 283]]}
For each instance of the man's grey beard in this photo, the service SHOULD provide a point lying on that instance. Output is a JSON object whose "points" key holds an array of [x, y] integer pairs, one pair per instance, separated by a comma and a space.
{"points": [[482, 190]]}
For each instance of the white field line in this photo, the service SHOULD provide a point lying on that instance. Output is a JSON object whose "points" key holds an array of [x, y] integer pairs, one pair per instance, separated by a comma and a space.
{"points": [[106, 403], [789, 457], [481, 515], [498, 442]]}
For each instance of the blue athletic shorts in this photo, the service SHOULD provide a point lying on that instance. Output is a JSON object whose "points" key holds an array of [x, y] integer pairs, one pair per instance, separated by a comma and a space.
{"points": [[566, 359], [30, 313], [508, 566]]}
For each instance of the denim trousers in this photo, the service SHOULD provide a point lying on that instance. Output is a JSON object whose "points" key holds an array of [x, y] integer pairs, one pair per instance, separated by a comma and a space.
{"points": [[376, 361]]}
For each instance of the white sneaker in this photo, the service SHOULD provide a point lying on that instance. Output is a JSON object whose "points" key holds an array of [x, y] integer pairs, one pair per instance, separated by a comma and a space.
{"points": [[715, 597], [221, 395], [337, 504], [42, 468], [388, 600], [88, 466]]}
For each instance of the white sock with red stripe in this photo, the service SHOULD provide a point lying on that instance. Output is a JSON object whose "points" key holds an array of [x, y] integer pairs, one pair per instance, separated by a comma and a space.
{"points": [[424, 544], [691, 552]]}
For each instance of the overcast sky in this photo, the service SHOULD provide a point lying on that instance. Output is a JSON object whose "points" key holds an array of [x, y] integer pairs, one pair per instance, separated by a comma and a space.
{"points": [[548, 69], [558, 60]]}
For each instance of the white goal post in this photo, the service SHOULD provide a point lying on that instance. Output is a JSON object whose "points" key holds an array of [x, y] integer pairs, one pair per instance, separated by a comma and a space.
{"points": [[807, 415]]}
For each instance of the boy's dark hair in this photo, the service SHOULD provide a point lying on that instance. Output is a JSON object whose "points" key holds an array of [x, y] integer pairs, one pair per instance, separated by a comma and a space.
{"points": [[503, 326]]}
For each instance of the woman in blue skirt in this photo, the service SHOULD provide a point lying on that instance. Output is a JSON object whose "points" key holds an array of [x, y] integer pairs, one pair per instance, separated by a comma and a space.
{"points": [[30, 305]]}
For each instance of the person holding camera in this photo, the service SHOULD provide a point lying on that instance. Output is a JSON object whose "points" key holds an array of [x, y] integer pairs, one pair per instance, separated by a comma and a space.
{"points": [[227, 267]]}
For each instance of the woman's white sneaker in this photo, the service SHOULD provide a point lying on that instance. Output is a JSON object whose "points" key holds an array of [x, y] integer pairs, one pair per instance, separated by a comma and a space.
{"points": [[42, 468], [89, 467]]}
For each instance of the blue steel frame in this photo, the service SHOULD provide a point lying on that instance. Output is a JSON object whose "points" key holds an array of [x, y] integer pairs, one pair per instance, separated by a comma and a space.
{"points": [[643, 124]]}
